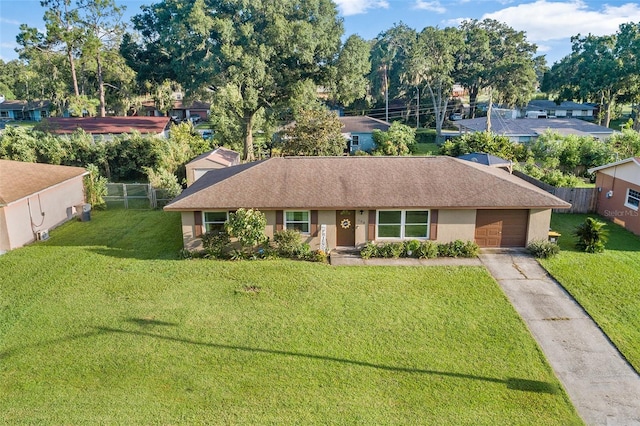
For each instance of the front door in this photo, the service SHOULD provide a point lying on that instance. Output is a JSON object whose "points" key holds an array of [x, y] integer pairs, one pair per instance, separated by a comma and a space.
{"points": [[346, 228]]}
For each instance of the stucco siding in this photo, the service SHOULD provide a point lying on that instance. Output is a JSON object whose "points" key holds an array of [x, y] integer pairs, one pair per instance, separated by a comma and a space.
{"points": [[539, 221], [42, 211], [627, 172], [456, 225], [189, 239]]}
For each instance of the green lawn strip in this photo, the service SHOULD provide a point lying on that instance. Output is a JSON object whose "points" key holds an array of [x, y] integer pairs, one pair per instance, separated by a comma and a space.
{"points": [[426, 149], [108, 328], [607, 284]]}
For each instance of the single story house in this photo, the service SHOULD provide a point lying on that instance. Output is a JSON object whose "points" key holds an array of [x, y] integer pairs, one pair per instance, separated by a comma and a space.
{"points": [[347, 201], [107, 127], [358, 130], [488, 160], [35, 198], [24, 110], [526, 130], [566, 109], [216, 159], [180, 110], [618, 186]]}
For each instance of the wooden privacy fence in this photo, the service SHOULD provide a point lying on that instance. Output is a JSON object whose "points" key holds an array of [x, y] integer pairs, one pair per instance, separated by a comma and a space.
{"points": [[136, 196], [583, 200]]}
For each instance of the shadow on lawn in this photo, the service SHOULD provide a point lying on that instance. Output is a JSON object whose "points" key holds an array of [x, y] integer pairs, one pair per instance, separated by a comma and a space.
{"points": [[511, 383]]}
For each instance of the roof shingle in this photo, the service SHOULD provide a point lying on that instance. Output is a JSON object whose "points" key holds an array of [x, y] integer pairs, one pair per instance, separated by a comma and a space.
{"points": [[361, 182]]}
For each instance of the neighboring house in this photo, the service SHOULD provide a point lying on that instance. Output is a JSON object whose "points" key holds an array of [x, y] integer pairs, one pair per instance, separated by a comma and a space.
{"points": [[350, 200], [488, 160], [216, 159], [35, 198], [107, 127], [181, 110], [359, 132], [24, 110], [566, 109], [525, 130], [618, 186]]}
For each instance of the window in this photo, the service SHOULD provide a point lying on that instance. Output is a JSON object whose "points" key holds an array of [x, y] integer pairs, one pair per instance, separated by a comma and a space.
{"points": [[298, 220], [633, 199], [214, 221], [355, 140], [403, 224]]}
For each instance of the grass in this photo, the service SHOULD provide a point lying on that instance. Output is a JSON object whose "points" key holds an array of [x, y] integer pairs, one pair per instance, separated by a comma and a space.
{"points": [[102, 323], [607, 284], [426, 149]]}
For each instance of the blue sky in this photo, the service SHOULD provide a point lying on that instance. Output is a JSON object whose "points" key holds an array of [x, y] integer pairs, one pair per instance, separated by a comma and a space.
{"points": [[548, 23]]}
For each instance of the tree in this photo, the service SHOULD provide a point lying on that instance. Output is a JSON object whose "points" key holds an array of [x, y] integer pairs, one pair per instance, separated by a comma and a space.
{"points": [[592, 235], [388, 55], [431, 64], [352, 67], [398, 140], [255, 49], [247, 225], [316, 132], [486, 142], [498, 58]]}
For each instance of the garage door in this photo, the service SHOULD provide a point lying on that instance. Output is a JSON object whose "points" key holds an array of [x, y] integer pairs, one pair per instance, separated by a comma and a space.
{"points": [[501, 228]]}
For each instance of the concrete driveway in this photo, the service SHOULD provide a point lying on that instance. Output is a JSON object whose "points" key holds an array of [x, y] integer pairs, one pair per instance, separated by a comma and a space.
{"points": [[603, 387]]}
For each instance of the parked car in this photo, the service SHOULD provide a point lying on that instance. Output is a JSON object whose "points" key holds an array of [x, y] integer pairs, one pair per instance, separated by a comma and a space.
{"points": [[207, 134], [194, 118], [456, 116]]}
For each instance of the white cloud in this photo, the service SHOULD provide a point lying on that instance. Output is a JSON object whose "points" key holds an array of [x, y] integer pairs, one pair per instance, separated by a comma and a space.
{"points": [[10, 21], [432, 6], [553, 20], [355, 7]]}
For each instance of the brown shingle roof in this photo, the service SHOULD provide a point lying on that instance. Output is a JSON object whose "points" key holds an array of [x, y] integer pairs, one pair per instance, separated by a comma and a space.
{"points": [[223, 156], [362, 124], [106, 125], [362, 182], [19, 180]]}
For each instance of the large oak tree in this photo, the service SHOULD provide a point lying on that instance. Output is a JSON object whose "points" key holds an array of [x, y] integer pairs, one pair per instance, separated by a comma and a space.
{"points": [[256, 49]]}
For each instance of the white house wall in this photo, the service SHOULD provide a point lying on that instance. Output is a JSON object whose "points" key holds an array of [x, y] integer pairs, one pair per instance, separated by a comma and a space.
{"points": [[24, 217]]}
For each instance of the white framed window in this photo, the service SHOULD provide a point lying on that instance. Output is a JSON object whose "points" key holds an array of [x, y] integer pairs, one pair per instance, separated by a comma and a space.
{"points": [[633, 199], [403, 224], [214, 221], [300, 220], [355, 140]]}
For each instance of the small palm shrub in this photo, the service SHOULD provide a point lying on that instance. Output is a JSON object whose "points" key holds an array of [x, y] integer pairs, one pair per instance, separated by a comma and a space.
{"points": [[543, 249], [458, 248], [592, 236], [427, 250], [411, 248], [369, 250]]}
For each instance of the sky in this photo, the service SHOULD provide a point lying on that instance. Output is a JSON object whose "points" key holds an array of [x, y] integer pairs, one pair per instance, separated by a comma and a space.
{"points": [[548, 23]]}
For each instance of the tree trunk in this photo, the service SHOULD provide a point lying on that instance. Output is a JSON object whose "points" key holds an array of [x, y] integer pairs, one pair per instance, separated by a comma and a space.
{"points": [[473, 100], [247, 155], [489, 108], [72, 65], [103, 109]]}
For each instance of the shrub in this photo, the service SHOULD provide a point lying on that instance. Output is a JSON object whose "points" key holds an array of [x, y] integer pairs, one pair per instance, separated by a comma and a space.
{"points": [[591, 236], [247, 225], [426, 250], [369, 250], [288, 242], [411, 248], [543, 249], [216, 244], [458, 248]]}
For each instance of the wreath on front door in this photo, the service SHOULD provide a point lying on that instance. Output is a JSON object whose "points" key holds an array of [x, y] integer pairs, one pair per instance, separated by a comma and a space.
{"points": [[345, 223]]}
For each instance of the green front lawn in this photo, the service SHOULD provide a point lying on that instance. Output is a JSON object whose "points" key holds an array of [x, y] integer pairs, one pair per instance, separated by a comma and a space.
{"points": [[607, 284], [102, 324]]}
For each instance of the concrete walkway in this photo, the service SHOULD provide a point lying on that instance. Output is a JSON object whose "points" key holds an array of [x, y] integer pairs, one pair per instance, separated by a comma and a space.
{"points": [[603, 387]]}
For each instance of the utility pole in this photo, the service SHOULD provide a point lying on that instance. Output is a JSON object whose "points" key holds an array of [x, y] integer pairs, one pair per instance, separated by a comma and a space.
{"points": [[386, 94], [489, 110], [418, 109]]}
